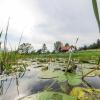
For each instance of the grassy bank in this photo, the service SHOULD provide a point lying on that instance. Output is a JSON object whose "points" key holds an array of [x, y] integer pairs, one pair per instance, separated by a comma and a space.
{"points": [[9, 59], [86, 55]]}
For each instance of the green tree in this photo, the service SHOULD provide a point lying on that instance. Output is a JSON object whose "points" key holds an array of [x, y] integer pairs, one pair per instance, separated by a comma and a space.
{"points": [[57, 46], [66, 44], [25, 48], [98, 43], [44, 48]]}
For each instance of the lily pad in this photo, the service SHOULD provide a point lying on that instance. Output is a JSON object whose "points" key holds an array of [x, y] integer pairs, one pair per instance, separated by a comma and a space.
{"points": [[57, 75], [49, 96], [60, 76], [73, 79], [86, 93]]}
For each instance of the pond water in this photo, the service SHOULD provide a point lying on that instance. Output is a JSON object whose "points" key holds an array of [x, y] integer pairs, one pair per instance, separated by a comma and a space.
{"points": [[93, 81], [30, 83]]}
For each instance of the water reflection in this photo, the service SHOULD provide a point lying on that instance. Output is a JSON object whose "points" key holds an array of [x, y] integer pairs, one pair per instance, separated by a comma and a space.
{"points": [[27, 83], [93, 81], [14, 87]]}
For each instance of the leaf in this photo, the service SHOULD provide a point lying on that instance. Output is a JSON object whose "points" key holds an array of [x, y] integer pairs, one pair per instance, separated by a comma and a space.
{"points": [[85, 93], [60, 76], [73, 79], [96, 12], [49, 96], [57, 75]]}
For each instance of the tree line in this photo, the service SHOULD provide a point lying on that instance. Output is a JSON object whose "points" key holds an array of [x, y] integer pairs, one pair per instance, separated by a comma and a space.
{"points": [[95, 45], [28, 48]]}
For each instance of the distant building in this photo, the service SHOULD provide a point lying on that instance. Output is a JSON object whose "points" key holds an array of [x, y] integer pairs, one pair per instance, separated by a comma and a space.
{"points": [[66, 48]]}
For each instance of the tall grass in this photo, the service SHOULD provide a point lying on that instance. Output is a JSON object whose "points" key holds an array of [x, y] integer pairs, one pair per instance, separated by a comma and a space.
{"points": [[96, 12], [7, 58]]}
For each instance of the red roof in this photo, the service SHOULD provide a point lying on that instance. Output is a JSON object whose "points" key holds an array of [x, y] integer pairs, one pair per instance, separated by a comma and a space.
{"points": [[65, 48]]}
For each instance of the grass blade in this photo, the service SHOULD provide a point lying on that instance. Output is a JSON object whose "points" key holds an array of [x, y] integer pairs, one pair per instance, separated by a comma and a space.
{"points": [[96, 12]]}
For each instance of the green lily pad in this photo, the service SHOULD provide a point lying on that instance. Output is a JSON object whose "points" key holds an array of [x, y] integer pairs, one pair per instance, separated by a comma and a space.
{"points": [[49, 96], [57, 75], [60, 76], [73, 79]]}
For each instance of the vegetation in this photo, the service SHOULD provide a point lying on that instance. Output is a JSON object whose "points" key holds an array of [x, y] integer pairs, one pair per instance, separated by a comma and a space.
{"points": [[92, 46], [84, 54], [57, 46], [43, 49], [65, 75], [82, 94], [25, 48], [96, 12], [9, 58]]}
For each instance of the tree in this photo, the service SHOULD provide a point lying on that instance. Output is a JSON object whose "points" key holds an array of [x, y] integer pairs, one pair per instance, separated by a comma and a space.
{"points": [[66, 44], [57, 46], [25, 48], [95, 45], [44, 48], [98, 43], [39, 51]]}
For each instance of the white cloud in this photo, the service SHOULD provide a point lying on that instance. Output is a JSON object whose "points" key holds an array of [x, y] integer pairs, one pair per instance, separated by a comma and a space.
{"points": [[46, 21]]}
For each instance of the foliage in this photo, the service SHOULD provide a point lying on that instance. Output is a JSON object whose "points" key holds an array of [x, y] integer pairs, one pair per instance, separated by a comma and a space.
{"points": [[60, 76], [96, 12], [25, 48], [86, 94], [7, 58], [73, 79], [80, 55], [91, 46], [9, 63], [39, 51], [57, 46], [44, 48], [66, 44], [49, 96]]}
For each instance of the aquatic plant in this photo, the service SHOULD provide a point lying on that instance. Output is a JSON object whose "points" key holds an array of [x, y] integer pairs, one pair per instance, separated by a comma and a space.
{"points": [[96, 12], [9, 58], [49, 96]]}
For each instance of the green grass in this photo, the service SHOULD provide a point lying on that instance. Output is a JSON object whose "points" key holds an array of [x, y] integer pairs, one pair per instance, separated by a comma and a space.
{"points": [[87, 55], [11, 58]]}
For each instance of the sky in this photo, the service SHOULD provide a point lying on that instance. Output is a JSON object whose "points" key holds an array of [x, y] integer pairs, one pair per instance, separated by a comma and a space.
{"points": [[48, 21]]}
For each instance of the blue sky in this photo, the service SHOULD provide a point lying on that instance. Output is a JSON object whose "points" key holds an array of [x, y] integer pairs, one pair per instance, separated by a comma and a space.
{"points": [[47, 21]]}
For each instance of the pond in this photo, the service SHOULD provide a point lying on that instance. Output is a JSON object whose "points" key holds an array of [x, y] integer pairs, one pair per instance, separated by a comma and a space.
{"points": [[12, 87], [27, 84]]}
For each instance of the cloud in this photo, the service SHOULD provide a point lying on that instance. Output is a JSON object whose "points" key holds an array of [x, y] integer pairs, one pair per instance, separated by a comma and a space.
{"points": [[47, 21]]}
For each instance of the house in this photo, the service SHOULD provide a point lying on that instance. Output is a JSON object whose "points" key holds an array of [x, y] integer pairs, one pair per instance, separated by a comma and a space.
{"points": [[66, 48]]}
